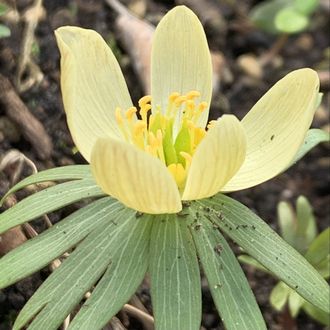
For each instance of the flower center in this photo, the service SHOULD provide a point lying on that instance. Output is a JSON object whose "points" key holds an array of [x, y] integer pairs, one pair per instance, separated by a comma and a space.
{"points": [[154, 133]]}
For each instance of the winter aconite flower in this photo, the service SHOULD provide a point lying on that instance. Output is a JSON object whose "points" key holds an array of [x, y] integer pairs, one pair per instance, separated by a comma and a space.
{"points": [[152, 157]]}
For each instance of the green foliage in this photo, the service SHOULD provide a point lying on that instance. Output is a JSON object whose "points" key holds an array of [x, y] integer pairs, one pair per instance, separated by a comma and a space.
{"points": [[4, 30], [110, 248], [3, 9], [283, 16], [298, 228], [313, 137]]}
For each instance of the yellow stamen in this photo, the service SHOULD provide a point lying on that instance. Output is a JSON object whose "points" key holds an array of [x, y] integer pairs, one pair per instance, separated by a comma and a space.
{"points": [[130, 113], [144, 100], [192, 95], [173, 97], [154, 135], [179, 100], [202, 106], [211, 124]]}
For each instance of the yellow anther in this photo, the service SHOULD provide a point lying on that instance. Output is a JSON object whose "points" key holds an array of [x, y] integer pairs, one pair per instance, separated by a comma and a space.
{"points": [[173, 97], [202, 106], [155, 135], [144, 111], [211, 123], [179, 100], [192, 95], [130, 113], [190, 105], [119, 116], [144, 100]]}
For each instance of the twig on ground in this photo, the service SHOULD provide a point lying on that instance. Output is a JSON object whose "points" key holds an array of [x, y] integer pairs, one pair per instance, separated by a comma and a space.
{"points": [[31, 127], [137, 45], [274, 50], [25, 62], [142, 316], [136, 302]]}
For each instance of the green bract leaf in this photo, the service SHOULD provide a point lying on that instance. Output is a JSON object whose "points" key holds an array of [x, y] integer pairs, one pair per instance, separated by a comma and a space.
{"points": [[230, 289], [4, 31], [279, 295], [289, 20], [46, 201], [66, 286], [306, 7], [40, 251], [263, 14], [175, 279], [262, 243], [307, 230], [295, 303], [3, 9], [316, 313], [63, 173], [313, 137], [130, 258], [287, 221], [318, 253]]}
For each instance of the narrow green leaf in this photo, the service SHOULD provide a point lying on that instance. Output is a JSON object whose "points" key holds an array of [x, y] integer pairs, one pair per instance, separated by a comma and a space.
{"points": [[318, 253], [279, 296], [130, 259], [306, 7], [66, 286], [175, 278], [245, 259], [40, 251], [48, 200], [267, 247], [71, 172], [313, 137], [316, 313], [230, 289]]}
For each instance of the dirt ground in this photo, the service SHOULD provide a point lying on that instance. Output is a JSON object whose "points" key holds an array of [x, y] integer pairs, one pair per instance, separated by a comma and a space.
{"points": [[239, 49]]}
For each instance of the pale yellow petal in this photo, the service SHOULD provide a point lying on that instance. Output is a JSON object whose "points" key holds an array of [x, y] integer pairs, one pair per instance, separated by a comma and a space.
{"points": [[180, 59], [217, 158], [135, 178], [275, 128], [92, 86]]}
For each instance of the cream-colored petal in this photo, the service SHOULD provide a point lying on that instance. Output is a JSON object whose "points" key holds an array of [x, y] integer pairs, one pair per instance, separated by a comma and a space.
{"points": [[137, 179], [180, 59], [275, 128], [217, 158], [92, 86]]}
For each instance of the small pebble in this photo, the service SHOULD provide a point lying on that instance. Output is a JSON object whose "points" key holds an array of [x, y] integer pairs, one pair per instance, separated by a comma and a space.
{"points": [[250, 65]]}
